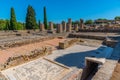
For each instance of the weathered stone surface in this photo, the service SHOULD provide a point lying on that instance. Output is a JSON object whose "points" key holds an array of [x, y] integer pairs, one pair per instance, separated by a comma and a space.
{"points": [[63, 45], [69, 27], [70, 21], [76, 27], [2, 77], [59, 28], [81, 23], [12, 61], [64, 26], [110, 42], [116, 73], [14, 42], [105, 72], [51, 26], [40, 69], [42, 28], [78, 35], [67, 43]]}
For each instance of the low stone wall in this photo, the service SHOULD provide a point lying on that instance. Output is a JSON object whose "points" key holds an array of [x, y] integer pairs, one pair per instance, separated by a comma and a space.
{"points": [[68, 43], [15, 60], [95, 30], [15, 43], [73, 75], [74, 35], [110, 43]]}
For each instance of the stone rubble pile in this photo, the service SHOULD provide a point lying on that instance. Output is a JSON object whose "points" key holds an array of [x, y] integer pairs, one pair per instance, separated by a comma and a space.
{"points": [[28, 56]]}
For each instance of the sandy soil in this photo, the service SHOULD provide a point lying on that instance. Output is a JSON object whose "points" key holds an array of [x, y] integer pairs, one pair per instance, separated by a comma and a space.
{"points": [[5, 54], [116, 73]]}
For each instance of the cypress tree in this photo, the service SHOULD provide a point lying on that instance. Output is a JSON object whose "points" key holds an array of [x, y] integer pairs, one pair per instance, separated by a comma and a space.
{"points": [[30, 18], [39, 24], [13, 22], [45, 18]]}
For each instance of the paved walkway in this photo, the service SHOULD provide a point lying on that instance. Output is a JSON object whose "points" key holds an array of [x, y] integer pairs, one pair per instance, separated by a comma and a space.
{"points": [[74, 56]]}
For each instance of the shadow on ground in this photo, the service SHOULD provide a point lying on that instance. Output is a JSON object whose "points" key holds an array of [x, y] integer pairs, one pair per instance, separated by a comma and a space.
{"points": [[73, 59], [78, 59]]}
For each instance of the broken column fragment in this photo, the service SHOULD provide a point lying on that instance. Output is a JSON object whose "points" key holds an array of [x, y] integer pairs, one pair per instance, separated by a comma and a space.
{"points": [[51, 28], [59, 28], [69, 27], [42, 27], [81, 24], [76, 27], [64, 26]]}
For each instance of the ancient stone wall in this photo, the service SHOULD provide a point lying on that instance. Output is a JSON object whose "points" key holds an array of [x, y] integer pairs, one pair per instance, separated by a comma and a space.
{"points": [[73, 35], [68, 43], [12, 61], [15, 43], [96, 30]]}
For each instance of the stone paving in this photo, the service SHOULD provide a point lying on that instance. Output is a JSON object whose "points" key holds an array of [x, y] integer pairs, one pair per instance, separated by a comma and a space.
{"points": [[74, 56], [39, 69]]}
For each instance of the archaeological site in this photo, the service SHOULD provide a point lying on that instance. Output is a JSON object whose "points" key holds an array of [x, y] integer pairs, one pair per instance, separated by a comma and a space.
{"points": [[59, 39], [61, 53]]}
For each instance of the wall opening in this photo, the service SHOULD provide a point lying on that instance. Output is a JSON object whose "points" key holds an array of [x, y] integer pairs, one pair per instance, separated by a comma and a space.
{"points": [[90, 70]]}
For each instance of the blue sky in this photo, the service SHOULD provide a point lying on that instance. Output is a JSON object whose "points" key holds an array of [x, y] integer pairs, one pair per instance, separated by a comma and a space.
{"points": [[58, 10]]}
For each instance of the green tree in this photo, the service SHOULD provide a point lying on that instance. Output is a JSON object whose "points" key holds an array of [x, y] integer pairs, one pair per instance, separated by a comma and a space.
{"points": [[101, 19], [45, 18], [117, 18], [39, 24], [75, 22], [2, 24], [7, 26], [20, 26], [13, 21], [30, 18], [88, 22]]}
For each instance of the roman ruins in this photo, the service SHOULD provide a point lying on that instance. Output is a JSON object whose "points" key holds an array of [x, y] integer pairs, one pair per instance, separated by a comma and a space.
{"points": [[51, 27], [64, 26], [71, 53], [59, 28], [76, 27], [42, 28]]}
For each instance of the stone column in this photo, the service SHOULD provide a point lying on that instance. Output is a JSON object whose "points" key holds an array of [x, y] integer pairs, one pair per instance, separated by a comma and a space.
{"points": [[42, 27], [70, 21], [64, 26], [81, 24], [59, 28], [51, 28], [76, 27], [69, 27]]}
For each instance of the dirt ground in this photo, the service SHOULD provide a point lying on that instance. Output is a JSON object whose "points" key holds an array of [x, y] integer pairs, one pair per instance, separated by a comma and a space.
{"points": [[5, 54], [116, 73]]}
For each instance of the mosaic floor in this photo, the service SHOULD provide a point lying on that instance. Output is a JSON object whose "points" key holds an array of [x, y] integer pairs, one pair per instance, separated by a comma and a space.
{"points": [[39, 69]]}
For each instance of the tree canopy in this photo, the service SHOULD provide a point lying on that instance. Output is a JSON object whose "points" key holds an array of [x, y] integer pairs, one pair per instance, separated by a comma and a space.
{"points": [[101, 19], [30, 18], [45, 18], [88, 22], [13, 21], [117, 18]]}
